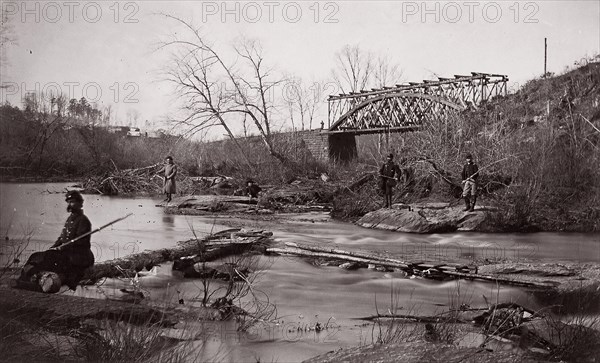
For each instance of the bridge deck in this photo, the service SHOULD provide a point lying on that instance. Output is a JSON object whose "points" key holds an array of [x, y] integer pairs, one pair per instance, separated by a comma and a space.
{"points": [[378, 130]]}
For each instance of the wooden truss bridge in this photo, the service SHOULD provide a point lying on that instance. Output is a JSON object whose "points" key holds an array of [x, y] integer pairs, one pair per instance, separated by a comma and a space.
{"points": [[407, 107]]}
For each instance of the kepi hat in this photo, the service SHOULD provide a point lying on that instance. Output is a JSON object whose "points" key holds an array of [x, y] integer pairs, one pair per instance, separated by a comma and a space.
{"points": [[73, 194]]}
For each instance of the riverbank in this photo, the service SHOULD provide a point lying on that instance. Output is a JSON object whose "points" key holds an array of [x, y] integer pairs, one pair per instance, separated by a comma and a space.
{"points": [[428, 216], [353, 199]]}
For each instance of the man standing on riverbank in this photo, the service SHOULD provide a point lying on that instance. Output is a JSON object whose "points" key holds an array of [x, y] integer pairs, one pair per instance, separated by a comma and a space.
{"points": [[389, 175], [470, 174], [170, 170], [66, 257]]}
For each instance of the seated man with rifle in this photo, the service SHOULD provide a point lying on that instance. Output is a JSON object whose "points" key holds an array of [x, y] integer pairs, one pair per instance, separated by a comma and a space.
{"points": [[69, 256]]}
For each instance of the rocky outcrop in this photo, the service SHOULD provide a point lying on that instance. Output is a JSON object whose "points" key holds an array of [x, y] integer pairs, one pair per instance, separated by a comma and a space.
{"points": [[426, 218]]}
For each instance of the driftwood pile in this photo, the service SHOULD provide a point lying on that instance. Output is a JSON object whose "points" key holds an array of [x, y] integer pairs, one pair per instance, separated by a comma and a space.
{"points": [[213, 182], [210, 204], [124, 181], [187, 253], [441, 271], [134, 181], [499, 317], [300, 192]]}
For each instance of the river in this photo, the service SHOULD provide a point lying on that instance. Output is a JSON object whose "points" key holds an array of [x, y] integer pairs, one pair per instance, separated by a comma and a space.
{"points": [[303, 294]]}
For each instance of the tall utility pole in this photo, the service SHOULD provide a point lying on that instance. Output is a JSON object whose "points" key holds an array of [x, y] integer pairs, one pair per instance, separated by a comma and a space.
{"points": [[545, 55], [545, 71]]}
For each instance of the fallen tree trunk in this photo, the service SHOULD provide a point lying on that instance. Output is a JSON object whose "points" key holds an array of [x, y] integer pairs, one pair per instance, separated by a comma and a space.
{"points": [[502, 280], [460, 315], [378, 258], [422, 269], [305, 253], [364, 255], [214, 270], [445, 175], [416, 318], [356, 185], [215, 246]]}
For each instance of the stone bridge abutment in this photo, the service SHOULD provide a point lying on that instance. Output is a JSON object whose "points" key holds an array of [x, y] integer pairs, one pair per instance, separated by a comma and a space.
{"points": [[329, 146]]}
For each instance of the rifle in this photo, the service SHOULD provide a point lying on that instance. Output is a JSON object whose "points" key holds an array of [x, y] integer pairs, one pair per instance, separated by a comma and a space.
{"points": [[91, 232], [487, 166]]}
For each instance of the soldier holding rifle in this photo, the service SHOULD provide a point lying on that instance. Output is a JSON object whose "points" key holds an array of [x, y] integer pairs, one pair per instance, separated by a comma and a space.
{"points": [[66, 257], [470, 174], [389, 175]]}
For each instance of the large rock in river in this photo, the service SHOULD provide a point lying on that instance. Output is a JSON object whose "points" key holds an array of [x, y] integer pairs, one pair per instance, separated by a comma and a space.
{"points": [[425, 218]]}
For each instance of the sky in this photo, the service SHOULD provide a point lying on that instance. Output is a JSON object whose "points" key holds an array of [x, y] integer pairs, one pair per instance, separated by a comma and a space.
{"points": [[107, 51]]}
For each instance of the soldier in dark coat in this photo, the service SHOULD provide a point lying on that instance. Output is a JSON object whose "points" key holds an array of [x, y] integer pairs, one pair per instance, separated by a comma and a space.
{"points": [[389, 175], [67, 259], [252, 189], [470, 174]]}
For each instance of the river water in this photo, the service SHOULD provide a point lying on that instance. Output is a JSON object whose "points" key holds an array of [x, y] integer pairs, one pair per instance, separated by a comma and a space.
{"points": [[303, 294]]}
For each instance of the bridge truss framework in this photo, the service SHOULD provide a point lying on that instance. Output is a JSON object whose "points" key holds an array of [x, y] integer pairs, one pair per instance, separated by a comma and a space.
{"points": [[406, 107]]}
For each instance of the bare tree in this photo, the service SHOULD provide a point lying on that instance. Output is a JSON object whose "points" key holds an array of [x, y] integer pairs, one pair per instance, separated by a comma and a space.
{"points": [[359, 70], [292, 111], [245, 126], [222, 93], [38, 107], [386, 73], [60, 102], [354, 69], [301, 100]]}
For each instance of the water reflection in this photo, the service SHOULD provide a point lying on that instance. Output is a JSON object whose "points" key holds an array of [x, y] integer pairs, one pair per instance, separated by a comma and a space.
{"points": [[168, 222]]}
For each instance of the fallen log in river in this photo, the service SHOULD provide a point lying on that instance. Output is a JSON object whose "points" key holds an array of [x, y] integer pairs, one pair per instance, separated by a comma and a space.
{"points": [[212, 247], [434, 271]]}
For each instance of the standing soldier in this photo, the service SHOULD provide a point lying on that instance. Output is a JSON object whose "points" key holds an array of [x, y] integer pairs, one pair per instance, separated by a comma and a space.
{"points": [[470, 174], [170, 170], [389, 174]]}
